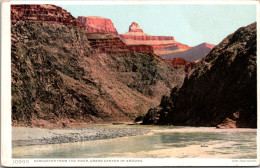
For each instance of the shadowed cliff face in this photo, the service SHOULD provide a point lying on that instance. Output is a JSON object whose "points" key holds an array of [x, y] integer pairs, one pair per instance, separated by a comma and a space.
{"points": [[221, 91], [58, 79]]}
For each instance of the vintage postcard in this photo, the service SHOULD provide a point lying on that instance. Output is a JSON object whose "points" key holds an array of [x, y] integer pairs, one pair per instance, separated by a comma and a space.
{"points": [[129, 83]]}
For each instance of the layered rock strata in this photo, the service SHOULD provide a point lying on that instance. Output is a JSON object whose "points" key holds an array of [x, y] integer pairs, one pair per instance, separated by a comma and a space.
{"points": [[43, 13], [97, 25], [58, 79], [141, 48], [161, 44], [113, 45], [109, 45], [103, 36]]}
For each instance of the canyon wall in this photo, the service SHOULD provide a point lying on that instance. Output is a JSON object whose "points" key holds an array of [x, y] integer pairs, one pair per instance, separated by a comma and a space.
{"points": [[104, 37], [221, 92], [59, 79], [43, 13]]}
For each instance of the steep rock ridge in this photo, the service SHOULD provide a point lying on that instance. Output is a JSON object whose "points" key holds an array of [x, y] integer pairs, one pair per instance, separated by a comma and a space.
{"points": [[193, 54], [44, 13], [220, 92], [97, 25], [44, 57], [58, 79], [161, 44]]}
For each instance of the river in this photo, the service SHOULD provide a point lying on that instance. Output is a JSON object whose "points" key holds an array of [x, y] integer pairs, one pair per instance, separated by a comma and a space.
{"points": [[161, 142]]}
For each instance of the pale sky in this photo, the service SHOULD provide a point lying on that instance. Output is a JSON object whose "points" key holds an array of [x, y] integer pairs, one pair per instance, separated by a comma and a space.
{"points": [[188, 24]]}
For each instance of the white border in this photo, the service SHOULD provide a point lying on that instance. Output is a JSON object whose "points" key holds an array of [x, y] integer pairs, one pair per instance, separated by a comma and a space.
{"points": [[6, 131], [136, 2], [6, 149]]}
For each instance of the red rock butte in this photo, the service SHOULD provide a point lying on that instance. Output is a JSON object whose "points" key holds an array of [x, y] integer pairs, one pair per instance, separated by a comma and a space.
{"points": [[98, 25], [103, 36], [134, 27], [161, 44], [46, 13]]}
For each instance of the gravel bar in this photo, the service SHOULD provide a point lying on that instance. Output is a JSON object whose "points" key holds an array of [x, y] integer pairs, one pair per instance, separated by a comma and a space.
{"points": [[38, 136]]}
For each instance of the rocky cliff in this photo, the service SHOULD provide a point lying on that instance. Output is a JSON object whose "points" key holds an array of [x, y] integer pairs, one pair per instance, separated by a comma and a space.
{"points": [[141, 48], [58, 79], [192, 54], [220, 92], [97, 25], [43, 13], [161, 44], [107, 43], [104, 38], [180, 63]]}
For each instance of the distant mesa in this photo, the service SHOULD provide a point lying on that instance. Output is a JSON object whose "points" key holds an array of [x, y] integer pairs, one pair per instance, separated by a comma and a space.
{"points": [[103, 36], [161, 44], [136, 40], [193, 54], [96, 24]]}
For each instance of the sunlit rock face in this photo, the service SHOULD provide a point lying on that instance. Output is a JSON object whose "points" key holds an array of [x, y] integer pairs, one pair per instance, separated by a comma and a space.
{"points": [[103, 36], [161, 44], [97, 25]]}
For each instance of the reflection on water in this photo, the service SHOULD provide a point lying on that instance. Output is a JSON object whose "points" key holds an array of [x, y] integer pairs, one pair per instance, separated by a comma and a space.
{"points": [[159, 144]]}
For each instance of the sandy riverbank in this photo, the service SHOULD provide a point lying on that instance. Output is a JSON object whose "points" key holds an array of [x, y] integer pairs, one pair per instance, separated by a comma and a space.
{"points": [[22, 136], [38, 136]]}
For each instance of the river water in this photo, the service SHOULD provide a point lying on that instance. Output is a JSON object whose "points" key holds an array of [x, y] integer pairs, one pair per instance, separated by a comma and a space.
{"points": [[161, 142]]}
